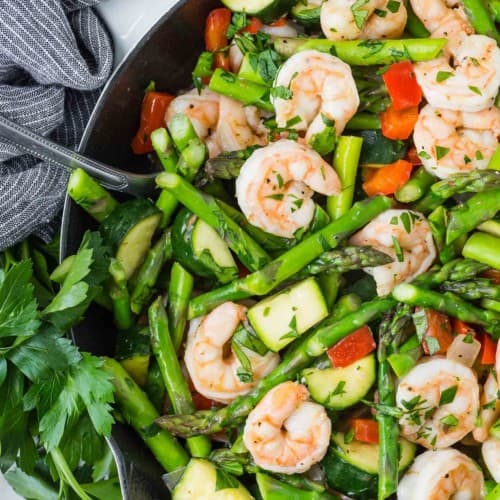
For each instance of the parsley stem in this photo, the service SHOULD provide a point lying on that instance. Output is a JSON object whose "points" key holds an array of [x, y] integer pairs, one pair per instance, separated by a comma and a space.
{"points": [[65, 473]]}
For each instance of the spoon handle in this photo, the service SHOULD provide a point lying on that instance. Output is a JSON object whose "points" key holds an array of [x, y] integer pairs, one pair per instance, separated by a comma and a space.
{"points": [[49, 151]]}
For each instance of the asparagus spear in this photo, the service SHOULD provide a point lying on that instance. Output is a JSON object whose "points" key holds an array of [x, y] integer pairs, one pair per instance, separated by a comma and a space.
{"points": [[480, 288], [366, 52], [490, 226], [364, 121], [470, 182], [138, 411], [149, 271], [245, 91], [228, 164], [90, 195], [416, 187], [345, 259], [118, 292], [251, 254], [391, 332], [414, 25], [345, 163], [455, 270], [330, 283], [179, 293], [173, 378], [477, 209], [450, 304], [484, 248], [286, 265], [480, 18], [163, 146], [312, 346], [182, 132], [438, 219]]}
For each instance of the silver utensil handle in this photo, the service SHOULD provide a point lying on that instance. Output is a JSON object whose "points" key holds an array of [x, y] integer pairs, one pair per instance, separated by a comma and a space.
{"points": [[47, 150]]}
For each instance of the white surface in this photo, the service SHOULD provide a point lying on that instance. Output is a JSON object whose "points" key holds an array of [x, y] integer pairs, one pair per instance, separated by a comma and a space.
{"points": [[129, 20], [6, 492]]}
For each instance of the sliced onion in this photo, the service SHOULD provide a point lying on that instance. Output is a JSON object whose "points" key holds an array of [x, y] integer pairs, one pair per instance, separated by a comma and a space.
{"points": [[464, 349]]}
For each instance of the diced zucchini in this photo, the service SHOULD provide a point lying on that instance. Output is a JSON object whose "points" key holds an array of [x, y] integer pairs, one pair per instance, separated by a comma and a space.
{"points": [[267, 10], [199, 248], [379, 150], [339, 388], [364, 456], [133, 351], [352, 468], [129, 230], [283, 317], [307, 13], [273, 489], [202, 480]]}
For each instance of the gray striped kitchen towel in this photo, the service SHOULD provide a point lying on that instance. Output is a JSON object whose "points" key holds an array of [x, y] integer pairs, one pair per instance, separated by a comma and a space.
{"points": [[55, 55]]}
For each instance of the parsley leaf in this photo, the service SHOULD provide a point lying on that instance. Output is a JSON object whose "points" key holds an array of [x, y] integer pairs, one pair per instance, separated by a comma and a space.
{"points": [[393, 6], [448, 395], [324, 142], [360, 15], [475, 90], [397, 249], [441, 152], [281, 92], [441, 76], [425, 155], [18, 307], [203, 69], [238, 22]]}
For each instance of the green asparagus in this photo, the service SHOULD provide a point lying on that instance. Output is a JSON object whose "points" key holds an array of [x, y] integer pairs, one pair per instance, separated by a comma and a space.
{"points": [[138, 411], [477, 209], [119, 294], [312, 346], [450, 304], [149, 271], [484, 248], [480, 18], [345, 163], [480, 288], [90, 195], [366, 52], [490, 226], [286, 265], [364, 121], [416, 187], [173, 377], [179, 293], [252, 255]]}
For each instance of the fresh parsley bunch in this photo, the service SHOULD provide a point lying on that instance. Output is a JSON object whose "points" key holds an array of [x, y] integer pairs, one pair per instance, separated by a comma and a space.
{"points": [[54, 401]]}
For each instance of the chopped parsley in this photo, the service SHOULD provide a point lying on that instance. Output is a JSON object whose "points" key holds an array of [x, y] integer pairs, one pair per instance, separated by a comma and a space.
{"points": [[448, 395], [441, 152], [360, 15], [441, 76]]}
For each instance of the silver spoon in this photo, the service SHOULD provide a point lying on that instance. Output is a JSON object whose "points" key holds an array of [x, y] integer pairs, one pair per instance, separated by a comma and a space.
{"points": [[110, 177]]}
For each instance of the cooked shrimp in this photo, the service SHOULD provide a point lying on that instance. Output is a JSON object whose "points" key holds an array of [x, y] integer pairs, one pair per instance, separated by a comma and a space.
{"points": [[440, 401], [344, 20], [449, 142], [223, 123], [285, 432], [276, 184], [322, 89], [440, 475], [469, 83], [490, 402], [212, 365], [491, 456], [442, 18], [404, 235]]}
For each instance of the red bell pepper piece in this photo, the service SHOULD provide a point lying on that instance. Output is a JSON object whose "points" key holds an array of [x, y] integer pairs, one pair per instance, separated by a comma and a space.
{"points": [[278, 23], [398, 124], [402, 85], [154, 107], [216, 26], [254, 26], [438, 328], [493, 275], [488, 349], [412, 156], [365, 430], [388, 179], [356, 345]]}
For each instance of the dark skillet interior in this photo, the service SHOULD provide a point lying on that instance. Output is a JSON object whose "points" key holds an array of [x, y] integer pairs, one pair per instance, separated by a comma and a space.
{"points": [[167, 55]]}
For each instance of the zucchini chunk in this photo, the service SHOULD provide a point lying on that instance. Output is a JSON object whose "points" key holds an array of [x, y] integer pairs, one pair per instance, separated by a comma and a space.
{"points": [[339, 388], [129, 230], [267, 10], [133, 351], [201, 479], [199, 248], [307, 15], [352, 468], [283, 317]]}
